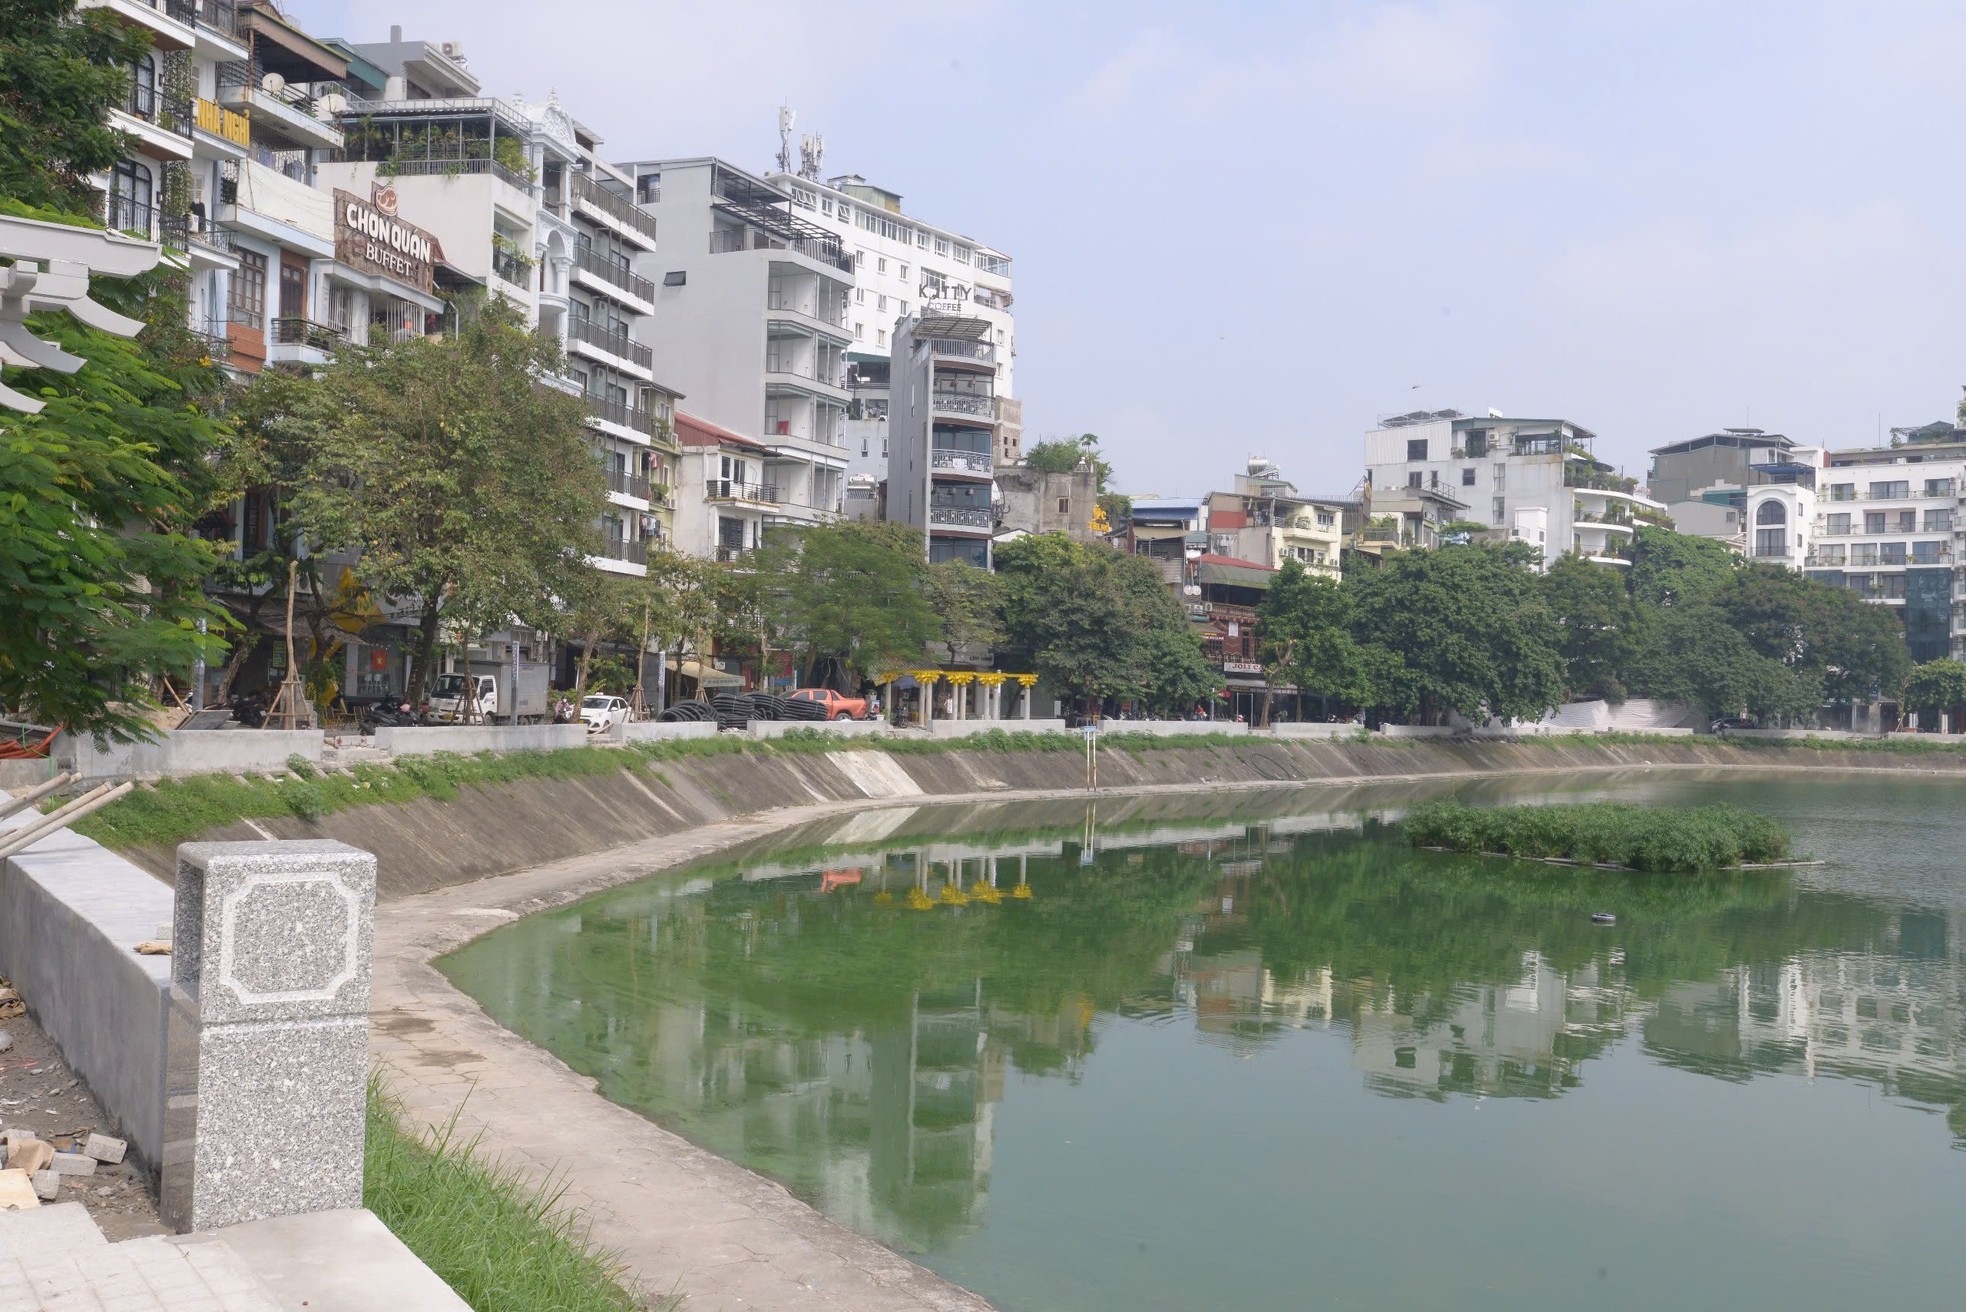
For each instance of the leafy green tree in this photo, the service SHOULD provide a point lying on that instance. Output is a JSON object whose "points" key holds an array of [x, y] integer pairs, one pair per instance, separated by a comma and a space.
{"points": [[1305, 621], [1935, 688], [469, 490], [968, 602], [1095, 622], [61, 69], [1601, 623], [681, 603], [852, 597], [1851, 648], [1671, 569], [600, 607], [1470, 628], [1695, 656]]}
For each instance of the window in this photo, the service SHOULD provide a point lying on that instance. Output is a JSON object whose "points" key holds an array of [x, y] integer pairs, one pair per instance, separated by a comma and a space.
{"points": [[1863, 553], [880, 302], [921, 237], [1501, 478], [1838, 525], [1897, 491], [1771, 512], [941, 247], [1771, 542], [880, 264], [859, 258], [248, 300], [1433, 478], [1891, 553], [1891, 586], [904, 273], [825, 204], [1831, 555], [1927, 553], [1938, 521], [1938, 487], [860, 331], [1416, 448], [883, 448], [1467, 476], [129, 197], [1413, 479], [863, 448], [880, 337], [905, 307], [1873, 521], [1064, 505], [1497, 517], [859, 295], [1906, 522], [675, 278], [1325, 519]]}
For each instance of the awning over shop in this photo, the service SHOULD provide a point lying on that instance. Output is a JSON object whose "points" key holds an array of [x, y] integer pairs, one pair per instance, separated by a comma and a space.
{"points": [[709, 676], [1233, 573]]}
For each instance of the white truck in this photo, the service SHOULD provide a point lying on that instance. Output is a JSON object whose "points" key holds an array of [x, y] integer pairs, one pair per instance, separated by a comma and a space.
{"points": [[492, 694]]}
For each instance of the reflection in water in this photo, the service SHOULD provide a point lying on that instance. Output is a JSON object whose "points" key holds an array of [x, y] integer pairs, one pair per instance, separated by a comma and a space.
{"points": [[850, 1018]]}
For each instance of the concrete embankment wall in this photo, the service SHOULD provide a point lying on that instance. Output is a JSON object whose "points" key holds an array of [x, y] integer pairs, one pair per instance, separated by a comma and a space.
{"points": [[186, 752], [500, 828]]}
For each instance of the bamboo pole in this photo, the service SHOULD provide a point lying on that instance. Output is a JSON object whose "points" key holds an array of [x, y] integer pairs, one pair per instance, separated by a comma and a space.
{"points": [[91, 801], [24, 800]]}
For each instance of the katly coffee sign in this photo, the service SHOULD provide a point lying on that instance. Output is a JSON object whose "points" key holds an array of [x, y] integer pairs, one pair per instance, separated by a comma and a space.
{"points": [[368, 236]]}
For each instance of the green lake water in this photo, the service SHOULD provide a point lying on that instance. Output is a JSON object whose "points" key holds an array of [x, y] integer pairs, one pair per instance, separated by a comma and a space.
{"points": [[1251, 1052]]}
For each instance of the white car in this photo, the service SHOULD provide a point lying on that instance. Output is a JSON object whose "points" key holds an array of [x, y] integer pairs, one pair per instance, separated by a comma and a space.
{"points": [[601, 712]]}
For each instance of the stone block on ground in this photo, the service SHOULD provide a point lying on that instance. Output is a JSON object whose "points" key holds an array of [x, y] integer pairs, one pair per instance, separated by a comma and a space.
{"points": [[105, 1149], [74, 1164], [47, 1186]]}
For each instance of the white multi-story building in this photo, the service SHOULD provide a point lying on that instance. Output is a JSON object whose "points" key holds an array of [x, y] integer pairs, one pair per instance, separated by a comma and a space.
{"points": [[724, 499], [903, 266], [750, 322], [1527, 480], [524, 205], [1883, 522]]}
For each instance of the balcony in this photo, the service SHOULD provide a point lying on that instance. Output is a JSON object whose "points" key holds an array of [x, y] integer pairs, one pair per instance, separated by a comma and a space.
{"points": [[160, 123], [959, 517], [614, 280], [1221, 610], [729, 555], [169, 22], [825, 250], [622, 483], [586, 337], [616, 212], [731, 489], [212, 340], [632, 553], [289, 113], [215, 119], [961, 461], [303, 340], [1576, 474], [511, 267], [967, 404], [623, 415], [946, 348]]}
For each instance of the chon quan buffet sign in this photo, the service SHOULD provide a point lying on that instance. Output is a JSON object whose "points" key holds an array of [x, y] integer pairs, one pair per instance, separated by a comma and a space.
{"points": [[368, 236]]}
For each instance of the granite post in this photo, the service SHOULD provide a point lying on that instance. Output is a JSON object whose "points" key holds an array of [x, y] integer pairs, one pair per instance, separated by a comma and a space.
{"points": [[267, 1055]]}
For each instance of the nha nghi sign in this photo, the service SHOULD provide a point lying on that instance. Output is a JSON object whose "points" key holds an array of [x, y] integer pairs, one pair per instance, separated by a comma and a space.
{"points": [[368, 236]]}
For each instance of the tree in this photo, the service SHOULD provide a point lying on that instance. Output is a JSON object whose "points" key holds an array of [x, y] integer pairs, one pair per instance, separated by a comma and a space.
{"points": [[1670, 569], [852, 596], [1601, 623], [99, 491], [681, 603], [1305, 621], [468, 489], [1470, 627], [60, 71], [1695, 656], [968, 602], [1094, 622], [1854, 650], [1935, 688], [600, 607]]}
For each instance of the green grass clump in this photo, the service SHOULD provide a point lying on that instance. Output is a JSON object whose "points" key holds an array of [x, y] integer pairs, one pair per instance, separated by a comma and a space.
{"points": [[1654, 839], [503, 1243]]}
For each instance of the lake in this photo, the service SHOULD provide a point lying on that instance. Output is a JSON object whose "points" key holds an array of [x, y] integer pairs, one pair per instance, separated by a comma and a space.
{"points": [[1251, 1051]]}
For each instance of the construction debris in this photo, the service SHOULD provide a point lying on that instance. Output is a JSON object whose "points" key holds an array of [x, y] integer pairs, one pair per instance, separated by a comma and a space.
{"points": [[152, 947], [17, 1191]]}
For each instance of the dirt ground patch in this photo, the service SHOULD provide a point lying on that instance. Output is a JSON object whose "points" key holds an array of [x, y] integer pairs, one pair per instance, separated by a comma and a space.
{"points": [[40, 1094]]}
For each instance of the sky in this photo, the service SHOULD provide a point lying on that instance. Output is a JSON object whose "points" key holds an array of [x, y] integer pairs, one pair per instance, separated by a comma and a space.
{"points": [[1253, 228]]}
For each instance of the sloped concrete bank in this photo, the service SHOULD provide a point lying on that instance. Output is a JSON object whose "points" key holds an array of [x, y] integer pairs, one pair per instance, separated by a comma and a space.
{"points": [[497, 829]]}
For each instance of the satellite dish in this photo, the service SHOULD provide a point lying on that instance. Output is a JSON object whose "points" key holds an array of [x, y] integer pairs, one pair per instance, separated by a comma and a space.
{"points": [[333, 103], [273, 84]]}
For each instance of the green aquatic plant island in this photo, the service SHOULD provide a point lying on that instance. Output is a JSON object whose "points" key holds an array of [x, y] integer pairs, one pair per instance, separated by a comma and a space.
{"points": [[1660, 840]]}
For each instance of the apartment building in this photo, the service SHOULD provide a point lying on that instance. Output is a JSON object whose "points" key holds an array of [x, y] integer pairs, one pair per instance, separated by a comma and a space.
{"points": [[1703, 481], [942, 434], [1265, 520], [1527, 480], [524, 206], [1881, 521], [725, 501], [750, 322], [903, 266]]}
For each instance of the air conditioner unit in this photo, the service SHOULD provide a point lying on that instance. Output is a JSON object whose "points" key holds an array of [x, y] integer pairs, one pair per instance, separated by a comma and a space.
{"points": [[452, 49]]}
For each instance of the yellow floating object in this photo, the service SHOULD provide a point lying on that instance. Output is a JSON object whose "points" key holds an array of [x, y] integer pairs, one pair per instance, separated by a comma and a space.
{"points": [[918, 900], [1022, 890], [954, 896], [985, 894]]}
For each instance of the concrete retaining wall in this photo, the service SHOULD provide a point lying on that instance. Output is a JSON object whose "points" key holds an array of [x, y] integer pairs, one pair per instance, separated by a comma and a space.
{"points": [[469, 739], [1314, 730], [71, 915], [655, 731], [1834, 735], [964, 728], [23, 775], [181, 752], [1418, 731], [838, 728], [1173, 728]]}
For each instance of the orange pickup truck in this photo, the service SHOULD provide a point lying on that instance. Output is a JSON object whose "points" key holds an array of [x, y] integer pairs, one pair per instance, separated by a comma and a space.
{"points": [[838, 706]]}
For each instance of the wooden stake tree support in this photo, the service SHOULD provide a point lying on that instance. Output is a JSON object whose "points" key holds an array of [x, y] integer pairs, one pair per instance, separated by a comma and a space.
{"points": [[290, 708]]}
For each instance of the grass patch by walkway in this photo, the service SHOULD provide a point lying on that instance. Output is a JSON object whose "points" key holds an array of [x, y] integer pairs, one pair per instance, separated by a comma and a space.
{"points": [[505, 1245], [1653, 839]]}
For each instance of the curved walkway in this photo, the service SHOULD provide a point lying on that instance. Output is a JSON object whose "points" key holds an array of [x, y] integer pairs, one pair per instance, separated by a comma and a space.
{"points": [[679, 1216]]}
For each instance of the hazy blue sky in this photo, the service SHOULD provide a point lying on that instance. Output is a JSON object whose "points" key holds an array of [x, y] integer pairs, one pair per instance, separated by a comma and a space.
{"points": [[1256, 227]]}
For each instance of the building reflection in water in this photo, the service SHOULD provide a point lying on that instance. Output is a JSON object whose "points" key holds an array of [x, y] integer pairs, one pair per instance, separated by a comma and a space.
{"points": [[851, 1021]]}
